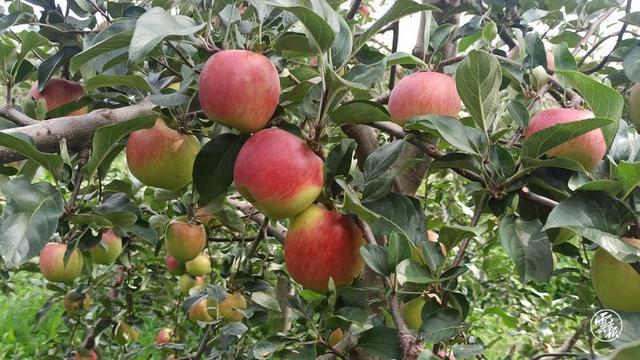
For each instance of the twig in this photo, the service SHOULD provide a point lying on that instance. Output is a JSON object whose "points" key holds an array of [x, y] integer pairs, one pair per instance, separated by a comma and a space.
{"points": [[70, 206], [355, 5], [277, 231], [506, 38], [538, 357], [180, 55], [203, 342], [592, 28], [394, 49], [604, 61], [166, 66], [262, 233], [527, 193]]}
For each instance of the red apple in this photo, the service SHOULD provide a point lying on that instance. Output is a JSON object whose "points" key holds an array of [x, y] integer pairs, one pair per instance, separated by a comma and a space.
{"points": [[424, 93], [59, 92], [188, 282], [616, 283], [226, 309], [634, 104], [162, 157], [364, 10], [108, 249], [199, 311], [164, 336], [183, 240], [52, 263], [587, 149], [84, 355], [198, 266], [174, 267], [239, 89], [76, 303], [323, 244], [278, 173]]}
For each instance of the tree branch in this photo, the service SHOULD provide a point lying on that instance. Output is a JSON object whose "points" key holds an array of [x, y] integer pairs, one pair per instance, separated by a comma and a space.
{"points": [[355, 5], [15, 116], [277, 231], [592, 28], [605, 60]]}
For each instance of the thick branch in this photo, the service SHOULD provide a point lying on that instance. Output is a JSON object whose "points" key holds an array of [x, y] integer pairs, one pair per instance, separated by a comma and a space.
{"points": [[15, 116]]}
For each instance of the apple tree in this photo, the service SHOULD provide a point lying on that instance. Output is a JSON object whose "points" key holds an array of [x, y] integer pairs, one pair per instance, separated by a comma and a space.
{"points": [[273, 179]]}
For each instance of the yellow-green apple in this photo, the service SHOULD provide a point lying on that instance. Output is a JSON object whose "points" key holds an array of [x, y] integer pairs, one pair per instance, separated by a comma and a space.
{"points": [[587, 149], [162, 157], [108, 249], [239, 89], [199, 311], [52, 263], [174, 267], [183, 240], [198, 266], [616, 283], [84, 355], [76, 303], [278, 173], [323, 244], [416, 253], [59, 92], [335, 337], [126, 333], [164, 336], [188, 282], [633, 101], [226, 309], [423, 93], [412, 311]]}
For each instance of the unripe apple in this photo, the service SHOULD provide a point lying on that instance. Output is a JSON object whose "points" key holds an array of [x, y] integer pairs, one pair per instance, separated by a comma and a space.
{"points": [[412, 311], [108, 249], [162, 157], [634, 104], [164, 336], [59, 92], [174, 267], [335, 337], [364, 10], [199, 311], [126, 333], [239, 89], [184, 241], [278, 173], [424, 93], [52, 263], [86, 355], [587, 149], [188, 282], [76, 303], [323, 244], [226, 308], [198, 266], [616, 283]]}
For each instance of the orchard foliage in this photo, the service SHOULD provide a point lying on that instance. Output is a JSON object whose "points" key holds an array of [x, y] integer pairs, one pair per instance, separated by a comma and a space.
{"points": [[458, 208]]}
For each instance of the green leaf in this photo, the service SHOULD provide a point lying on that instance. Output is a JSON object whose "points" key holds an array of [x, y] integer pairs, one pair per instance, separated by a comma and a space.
{"points": [[375, 257], [629, 351], [218, 157], [440, 36], [605, 101], [225, 213], [338, 161], [360, 112], [400, 58], [563, 59], [132, 81], [628, 174], [52, 63], [399, 249], [631, 64], [380, 341], [15, 18], [509, 320], [117, 41], [51, 162], [542, 141], [489, 32], [155, 25], [450, 129], [536, 52], [529, 164], [341, 48], [29, 219], [107, 138], [400, 211], [399, 9], [381, 160], [529, 248], [478, 81], [410, 271], [320, 31], [599, 218], [440, 325], [632, 18]]}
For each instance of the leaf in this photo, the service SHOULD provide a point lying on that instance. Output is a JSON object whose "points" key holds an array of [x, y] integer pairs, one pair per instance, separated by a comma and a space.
{"points": [[338, 162], [536, 52], [410, 271], [51, 162], [629, 351], [544, 140], [381, 160], [29, 219], [107, 138], [529, 248], [380, 341], [218, 157], [631, 64], [341, 48], [597, 217], [15, 18], [359, 112], [450, 129], [401, 58], [605, 101], [375, 257], [52, 63], [399, 249], [440, 35], [117, 41], [155, 25], [399, 9], [440, 325], [132, 81], [632, 18], [478, 81], [509, 320], [400, 211], [628, 174], [234, 329], [563, 59], [320, 31]]}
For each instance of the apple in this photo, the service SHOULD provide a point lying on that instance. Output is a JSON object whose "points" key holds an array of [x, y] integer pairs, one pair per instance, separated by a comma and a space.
{"points": [[198, 266], [188, 282], [323, 244], [174, 267], [616, 283], [183, 240], [52, 263], [76, 303], [364, 10], [162, 157], [84, 355], [126, 333], [108, 249], [424, 93], [278, 173], [335, 337], [164, 336], [412, 311], [199, 311], [239, 89], [634, 103], [587, 149], [226, 309], [59, 92]]}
